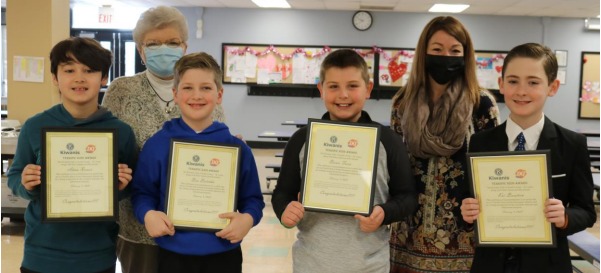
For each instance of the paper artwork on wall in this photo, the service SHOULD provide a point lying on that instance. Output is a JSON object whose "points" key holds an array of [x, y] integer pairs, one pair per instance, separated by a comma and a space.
{"points": [[489, 67], [395, 67], [28, 69]]}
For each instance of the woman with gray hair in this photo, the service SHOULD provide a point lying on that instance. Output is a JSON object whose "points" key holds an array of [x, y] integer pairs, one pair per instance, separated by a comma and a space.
{"points": [[145, 102]]}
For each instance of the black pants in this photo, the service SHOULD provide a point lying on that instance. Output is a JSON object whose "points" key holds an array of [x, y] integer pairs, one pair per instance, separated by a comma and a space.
{"points": [[225, 262], [110, 270], [137, 257], [512, 260]]}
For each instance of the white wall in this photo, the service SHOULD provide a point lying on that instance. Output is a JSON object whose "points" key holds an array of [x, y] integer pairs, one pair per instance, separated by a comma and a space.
{"points": [[250, 115]]}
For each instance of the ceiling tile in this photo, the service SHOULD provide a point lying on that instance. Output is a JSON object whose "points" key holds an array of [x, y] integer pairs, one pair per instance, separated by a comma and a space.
{"points": [[538, 8], [238, 3], [301, 4], [342, 5]]}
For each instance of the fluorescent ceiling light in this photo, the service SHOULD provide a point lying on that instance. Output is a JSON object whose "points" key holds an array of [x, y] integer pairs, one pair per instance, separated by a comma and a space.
{"points": [[592, 24], [272, 3], [450, 8]]}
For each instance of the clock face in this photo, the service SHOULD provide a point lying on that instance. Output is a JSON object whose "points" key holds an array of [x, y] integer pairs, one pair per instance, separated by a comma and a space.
{"points": [[362, 20]]}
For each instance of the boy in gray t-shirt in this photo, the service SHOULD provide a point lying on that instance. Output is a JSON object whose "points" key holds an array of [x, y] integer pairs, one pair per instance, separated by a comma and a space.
{"points": [[341, 243]]}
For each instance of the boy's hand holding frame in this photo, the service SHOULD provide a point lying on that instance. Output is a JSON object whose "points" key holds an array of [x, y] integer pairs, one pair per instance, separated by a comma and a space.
{"points": [[240, 224], [373, 221], [158, 224], [294, 213], [31, 176]]}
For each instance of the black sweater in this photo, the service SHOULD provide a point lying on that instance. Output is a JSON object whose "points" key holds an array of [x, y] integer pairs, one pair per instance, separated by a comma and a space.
{"points": [[402, 199]]}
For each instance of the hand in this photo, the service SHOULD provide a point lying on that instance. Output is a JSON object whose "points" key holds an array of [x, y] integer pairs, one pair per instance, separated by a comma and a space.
{"points": [[294, 212], [555, 212], [31, 176], [240, 224], [158, 224], [470, 208], [124, 176], [373, 222]]}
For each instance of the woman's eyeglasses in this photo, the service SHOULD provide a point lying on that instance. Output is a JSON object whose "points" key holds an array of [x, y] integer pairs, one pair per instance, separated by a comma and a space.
{"points": [[156, 44]]}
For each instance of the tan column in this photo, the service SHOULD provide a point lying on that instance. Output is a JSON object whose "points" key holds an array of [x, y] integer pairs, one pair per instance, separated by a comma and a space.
{"points": [[32, 28]]}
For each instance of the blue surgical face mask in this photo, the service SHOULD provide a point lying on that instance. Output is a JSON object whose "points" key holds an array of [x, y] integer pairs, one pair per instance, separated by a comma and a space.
{"points": [[161, 61]]}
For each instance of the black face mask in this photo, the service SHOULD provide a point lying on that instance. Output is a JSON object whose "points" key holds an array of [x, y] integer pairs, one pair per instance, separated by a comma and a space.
{"points": [[444, 69]]}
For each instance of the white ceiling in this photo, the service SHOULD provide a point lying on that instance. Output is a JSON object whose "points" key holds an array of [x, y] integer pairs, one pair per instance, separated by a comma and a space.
{"points": [[551, 8]]}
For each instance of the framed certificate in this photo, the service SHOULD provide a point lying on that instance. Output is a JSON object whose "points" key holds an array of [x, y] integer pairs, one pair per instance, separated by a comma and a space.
{"points": [[202, 183], [511, 188], [79, 174], [340, 167]]}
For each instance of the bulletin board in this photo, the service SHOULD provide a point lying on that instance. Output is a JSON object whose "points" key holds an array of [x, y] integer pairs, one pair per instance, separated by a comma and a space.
{"points": [[395, 67], [588, 106], [489, 65], [288, 70], [279, 64]]}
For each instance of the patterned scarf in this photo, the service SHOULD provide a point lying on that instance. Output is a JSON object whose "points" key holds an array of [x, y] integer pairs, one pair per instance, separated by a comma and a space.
{"points": [[439, 131]]}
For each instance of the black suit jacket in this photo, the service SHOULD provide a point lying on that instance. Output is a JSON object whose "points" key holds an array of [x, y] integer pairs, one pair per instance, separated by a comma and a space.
{"points": [[569, 156]]}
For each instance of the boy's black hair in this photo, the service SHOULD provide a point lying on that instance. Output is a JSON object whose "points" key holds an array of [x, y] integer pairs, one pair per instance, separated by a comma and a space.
{"points": [[86, 51], [537, 52], [344, 58]]}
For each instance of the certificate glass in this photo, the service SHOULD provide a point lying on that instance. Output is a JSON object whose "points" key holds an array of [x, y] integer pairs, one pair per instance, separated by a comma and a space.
{"points": [[79, 174], [511, 188], [202, 183], [340, 167]]}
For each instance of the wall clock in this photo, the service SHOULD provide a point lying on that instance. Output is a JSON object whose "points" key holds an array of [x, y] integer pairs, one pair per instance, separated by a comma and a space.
{"points": [[362, 20]]}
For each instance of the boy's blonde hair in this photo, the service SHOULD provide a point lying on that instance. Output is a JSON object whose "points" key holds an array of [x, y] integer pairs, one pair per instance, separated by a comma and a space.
{"points": [[199, 60], [537, 52], [344, 58]]}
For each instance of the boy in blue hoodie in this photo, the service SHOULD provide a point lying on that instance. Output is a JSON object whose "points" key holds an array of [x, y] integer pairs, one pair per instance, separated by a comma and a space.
{"points": [[197, 89], [79, 68]]}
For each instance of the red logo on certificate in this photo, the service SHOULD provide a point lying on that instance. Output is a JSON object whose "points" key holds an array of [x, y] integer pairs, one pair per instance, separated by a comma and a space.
{"points": [[90, 148], [520, 173], [215, 162], [353, 143]]}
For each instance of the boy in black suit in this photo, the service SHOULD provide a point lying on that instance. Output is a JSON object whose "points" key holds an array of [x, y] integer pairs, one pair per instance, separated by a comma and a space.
{"points": [[529, 76]]}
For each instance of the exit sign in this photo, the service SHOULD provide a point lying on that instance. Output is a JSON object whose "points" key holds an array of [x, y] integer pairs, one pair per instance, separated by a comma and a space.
{"points": [[105, 15]]}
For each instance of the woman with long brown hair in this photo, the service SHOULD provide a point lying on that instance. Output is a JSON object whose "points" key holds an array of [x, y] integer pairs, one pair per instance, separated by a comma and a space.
{"points": [[438, 110]]}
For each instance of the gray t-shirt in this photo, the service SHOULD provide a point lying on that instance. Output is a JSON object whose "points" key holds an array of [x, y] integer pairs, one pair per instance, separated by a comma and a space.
{"points": [[321, 235]]}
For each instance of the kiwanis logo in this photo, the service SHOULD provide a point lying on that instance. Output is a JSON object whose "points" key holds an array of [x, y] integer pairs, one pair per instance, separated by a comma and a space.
{"points": [[195, 161], [215, 162], [498, 175], [91, 148], [333, 140], [520, 173], [352, 143], [70, 150]]}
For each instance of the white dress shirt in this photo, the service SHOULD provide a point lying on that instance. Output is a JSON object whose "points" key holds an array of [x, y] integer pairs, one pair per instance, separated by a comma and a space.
{"points": [[531, 134]]}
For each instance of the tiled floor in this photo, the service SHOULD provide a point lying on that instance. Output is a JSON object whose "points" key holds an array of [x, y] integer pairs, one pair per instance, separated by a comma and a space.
{"points": [[266, 248]]}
